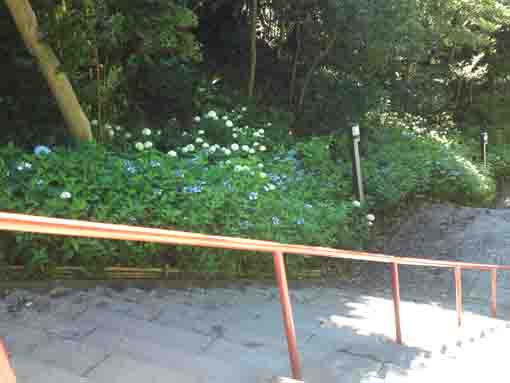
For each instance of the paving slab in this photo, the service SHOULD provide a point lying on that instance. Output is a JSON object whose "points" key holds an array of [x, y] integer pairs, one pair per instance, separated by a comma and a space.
{"points": [[31, 371]]}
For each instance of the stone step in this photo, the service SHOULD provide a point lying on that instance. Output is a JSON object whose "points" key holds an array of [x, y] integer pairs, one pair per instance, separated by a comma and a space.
{"points": [[80, 344], [122, 369], [29, 370], [101, 354], [221, 362]]}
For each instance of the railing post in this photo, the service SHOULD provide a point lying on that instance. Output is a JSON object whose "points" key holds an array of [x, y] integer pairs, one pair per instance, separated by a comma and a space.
{"points": [[494, 283], [458, 294], [288, 321], [395, 284]]}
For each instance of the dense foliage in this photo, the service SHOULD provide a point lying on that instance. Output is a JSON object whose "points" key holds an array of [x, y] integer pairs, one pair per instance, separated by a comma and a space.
{"points": [[179, 144], [226, 176]]}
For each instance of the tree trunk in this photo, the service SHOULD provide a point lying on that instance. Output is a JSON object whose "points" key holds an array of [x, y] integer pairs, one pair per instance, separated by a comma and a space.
{"points": [[292, 87], [313, 68], [26, 22], [253, 48], [458, 92]]}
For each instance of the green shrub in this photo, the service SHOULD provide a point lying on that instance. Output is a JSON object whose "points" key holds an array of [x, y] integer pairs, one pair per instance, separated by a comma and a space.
{"points": [[499, 160], [262, 194], [230, 176], [414, 156]]}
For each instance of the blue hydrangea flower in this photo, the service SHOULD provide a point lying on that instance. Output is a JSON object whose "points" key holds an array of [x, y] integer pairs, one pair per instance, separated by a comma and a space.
{"points": [[155, 164], [41, 150], [131, 169], [253, 196], [246, 224], [275, 220], [228, 185], [193, 189], [300, 221]]}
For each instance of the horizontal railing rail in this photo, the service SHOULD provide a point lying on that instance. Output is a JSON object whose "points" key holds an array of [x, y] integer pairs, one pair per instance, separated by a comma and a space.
{"points": [[66, 227]]}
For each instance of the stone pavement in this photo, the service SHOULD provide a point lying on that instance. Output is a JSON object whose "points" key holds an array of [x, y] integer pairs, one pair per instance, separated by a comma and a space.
{"points": [[229, 335], [345, 330]]}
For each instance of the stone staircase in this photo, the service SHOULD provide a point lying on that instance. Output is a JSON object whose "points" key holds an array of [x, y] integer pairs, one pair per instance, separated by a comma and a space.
{"points": [[234, 335]]}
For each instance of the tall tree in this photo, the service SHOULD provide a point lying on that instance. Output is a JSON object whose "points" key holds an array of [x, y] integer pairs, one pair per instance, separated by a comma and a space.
{"points": [[253, 47], [27, 25]]}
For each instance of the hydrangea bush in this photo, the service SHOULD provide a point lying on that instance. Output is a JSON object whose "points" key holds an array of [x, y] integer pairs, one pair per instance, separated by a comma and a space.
{"points": [[247, 194], [228, 175]]}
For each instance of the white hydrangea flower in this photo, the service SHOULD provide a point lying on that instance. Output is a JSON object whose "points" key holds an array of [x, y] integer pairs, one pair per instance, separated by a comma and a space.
{"points": [[118, 128], [269, 124], [24, 165], [271, 186], [262, 175], [65, 195], [229, 124], [147, 145], [245, 148], [238, 168], [128, 135], [146, 132], [224, 118], [370, 217], [356, 203], [251, 151], [94, 122], [107, 126], [261, 131], [184, 134], [212, 114], [227, 151], [111, 133], [213, 149], [262, 148], [260, 166], [199, 140], [228, 162], [205, 145], [139, 146], [200, 132], [255, 144], [244, 109], [172, 153], [235, 135], [197, 119], [191, 147], [234, 147]]}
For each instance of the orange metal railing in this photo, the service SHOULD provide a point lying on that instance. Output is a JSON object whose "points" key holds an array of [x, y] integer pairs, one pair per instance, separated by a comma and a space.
{"points": [[44, 225]]}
